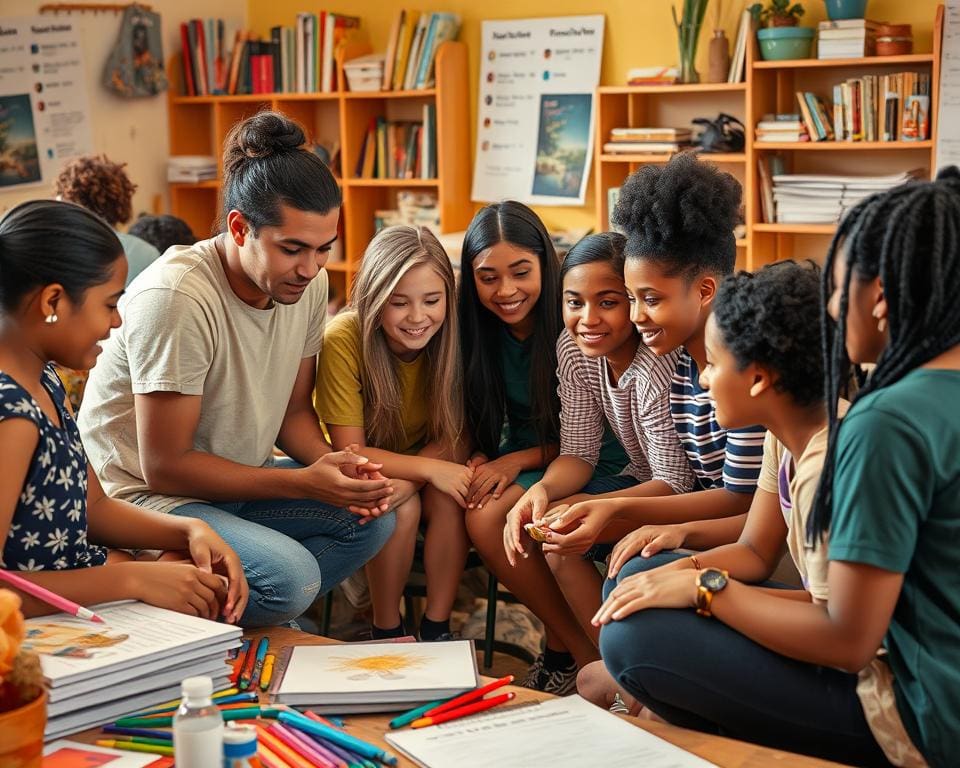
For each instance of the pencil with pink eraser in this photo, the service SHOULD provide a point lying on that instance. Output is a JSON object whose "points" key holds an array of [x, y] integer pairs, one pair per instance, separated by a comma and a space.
{"points": [[50, 598]]}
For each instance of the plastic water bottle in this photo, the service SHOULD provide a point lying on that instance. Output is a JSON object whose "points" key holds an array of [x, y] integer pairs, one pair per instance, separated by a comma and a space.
{"points": [[240, 747], [197, 726]]}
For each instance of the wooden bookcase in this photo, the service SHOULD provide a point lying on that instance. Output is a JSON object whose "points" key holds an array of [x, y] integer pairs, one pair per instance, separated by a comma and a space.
{"points": [[770, 86], [199, 125]]}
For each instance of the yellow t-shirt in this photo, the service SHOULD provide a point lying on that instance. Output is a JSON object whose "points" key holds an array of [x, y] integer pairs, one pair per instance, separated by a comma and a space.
{"points": [[802, 475], [338, 396]]}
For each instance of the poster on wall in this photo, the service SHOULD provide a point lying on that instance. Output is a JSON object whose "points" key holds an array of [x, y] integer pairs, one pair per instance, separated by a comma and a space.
{"points": [[44, 111], [535, 114], [948, 140]]}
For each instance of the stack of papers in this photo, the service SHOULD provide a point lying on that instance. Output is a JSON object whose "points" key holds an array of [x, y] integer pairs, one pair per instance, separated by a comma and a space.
{"points": [[191, 168], [818, 199], [647, 140], [846, 39], [96, 673], [376, 677]]}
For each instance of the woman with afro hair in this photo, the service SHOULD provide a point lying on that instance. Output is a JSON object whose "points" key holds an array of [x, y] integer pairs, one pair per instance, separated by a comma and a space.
{"points": [[103, 187]]}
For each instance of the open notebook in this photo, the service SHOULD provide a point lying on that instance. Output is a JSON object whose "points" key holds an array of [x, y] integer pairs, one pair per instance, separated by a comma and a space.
{"points": [[371, 676], [562, 733]]}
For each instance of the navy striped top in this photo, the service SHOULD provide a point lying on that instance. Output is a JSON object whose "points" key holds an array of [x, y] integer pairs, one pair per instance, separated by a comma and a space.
{"points": [[718, 458]]}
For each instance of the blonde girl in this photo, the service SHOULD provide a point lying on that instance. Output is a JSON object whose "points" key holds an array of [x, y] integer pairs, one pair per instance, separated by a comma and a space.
{"points": [[390, 381]]}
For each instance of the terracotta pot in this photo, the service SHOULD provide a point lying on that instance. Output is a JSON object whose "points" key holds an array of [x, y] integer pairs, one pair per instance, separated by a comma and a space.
{"points": [[783, 21], [21, 735]]}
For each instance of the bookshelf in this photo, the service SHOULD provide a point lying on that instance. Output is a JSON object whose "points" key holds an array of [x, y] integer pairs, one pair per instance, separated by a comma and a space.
{"points": [[770, 86], [199, 125]]}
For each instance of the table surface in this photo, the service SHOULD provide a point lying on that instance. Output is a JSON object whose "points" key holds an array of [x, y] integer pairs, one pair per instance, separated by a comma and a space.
{"points": [[726, 753]]}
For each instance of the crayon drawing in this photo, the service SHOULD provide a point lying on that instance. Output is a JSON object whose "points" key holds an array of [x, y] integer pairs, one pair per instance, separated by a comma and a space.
{"points": [[386, 666], [68, 757], [69, 640]]}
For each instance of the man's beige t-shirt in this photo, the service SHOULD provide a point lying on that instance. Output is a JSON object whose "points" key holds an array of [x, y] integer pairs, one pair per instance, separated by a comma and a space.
{"points": [[184, 330]]}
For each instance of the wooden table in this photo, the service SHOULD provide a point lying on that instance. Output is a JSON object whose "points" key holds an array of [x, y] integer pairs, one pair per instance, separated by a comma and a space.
{"points": [[726, 753]]}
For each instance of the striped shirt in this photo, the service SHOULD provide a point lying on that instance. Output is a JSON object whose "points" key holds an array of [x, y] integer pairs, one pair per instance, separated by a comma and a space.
{"points": [[719, 459], [637, 408]]}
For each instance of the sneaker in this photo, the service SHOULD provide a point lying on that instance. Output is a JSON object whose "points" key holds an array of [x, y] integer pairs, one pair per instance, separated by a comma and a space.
{"points": [[559, 682], [619, 706], [443, 637]]}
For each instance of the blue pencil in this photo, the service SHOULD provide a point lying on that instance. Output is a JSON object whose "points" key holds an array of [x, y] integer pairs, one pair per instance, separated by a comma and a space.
{"points": [[137, 732], [340, 738], [408, 717], [258, 663]]}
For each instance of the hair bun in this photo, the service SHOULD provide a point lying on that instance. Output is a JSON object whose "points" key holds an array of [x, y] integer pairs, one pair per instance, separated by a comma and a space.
{"points": [[948, 173], [268, 133]]}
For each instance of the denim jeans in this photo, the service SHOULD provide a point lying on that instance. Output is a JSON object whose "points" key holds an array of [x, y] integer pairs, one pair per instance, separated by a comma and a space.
{"points": [[292, 550], [699, 673]]}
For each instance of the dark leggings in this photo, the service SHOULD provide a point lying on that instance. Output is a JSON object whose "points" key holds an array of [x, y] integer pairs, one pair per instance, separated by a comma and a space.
{"points": [[699, 673]]}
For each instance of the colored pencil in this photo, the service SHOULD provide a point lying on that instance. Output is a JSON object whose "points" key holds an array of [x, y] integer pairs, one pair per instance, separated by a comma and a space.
{"points": [[266, 677], [469, 709], [293, 740], [216, 696], [352, 743], [128, 747], [291, 756], [142, 740], [247, 669], [408, 717], [466, 698], [352, 759], [116, 730], [334, 754], [257, 664], [220, 702], [268, 758], [50, 598]]}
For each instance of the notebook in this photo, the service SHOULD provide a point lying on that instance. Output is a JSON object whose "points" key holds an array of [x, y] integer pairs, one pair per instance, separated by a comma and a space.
{"points": [[73, 754], [566, 732], [376, 676]]}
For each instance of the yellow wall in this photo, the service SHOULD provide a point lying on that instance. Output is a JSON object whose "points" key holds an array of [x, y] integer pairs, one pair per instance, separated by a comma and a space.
{"points": [[638, 33]]}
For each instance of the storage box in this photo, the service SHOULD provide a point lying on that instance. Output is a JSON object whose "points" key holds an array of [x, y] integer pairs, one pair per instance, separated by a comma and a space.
{"points": [[365, 73]]}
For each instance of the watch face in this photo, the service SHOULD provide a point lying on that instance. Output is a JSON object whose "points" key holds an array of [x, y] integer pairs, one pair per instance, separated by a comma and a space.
{"points": [[713, 579]]}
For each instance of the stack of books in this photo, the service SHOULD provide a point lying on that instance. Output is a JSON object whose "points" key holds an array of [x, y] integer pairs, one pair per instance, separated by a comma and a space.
{"points": [[630, 141], [846, 39], [823, 199], [652, 76], [296, 59], [400, 149], [891, 107], [191, 168], [412, 48], [782, 128], [415, 209], [136, 659]]}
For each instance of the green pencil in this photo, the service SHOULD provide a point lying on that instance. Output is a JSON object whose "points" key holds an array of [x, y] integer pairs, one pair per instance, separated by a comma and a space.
{"points": [[142, 740]]}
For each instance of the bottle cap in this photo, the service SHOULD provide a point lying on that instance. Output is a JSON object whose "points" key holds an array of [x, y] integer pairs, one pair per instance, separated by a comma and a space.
{"points": [[197, 688], [239, 741]]}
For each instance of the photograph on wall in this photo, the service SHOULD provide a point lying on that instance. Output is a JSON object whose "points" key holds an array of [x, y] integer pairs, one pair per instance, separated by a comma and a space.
{"points": [[19, 161], [563, 144]]}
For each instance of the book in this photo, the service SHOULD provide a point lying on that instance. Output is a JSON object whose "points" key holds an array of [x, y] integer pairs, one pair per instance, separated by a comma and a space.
{"points": [[738, 59], [416, 45], [408, 28], [135, 659], [73, 754], [640, 147], [387, 675], [188, 82], [391, 55], [650, 134], [566, 732], [443, 27], [338, 29]]}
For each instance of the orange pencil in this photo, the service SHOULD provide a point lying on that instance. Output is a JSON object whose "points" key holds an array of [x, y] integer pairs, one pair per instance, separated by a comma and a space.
{"points": [[469, 696], [282, 750], [239, 662], [246, 671], [470, 709]]}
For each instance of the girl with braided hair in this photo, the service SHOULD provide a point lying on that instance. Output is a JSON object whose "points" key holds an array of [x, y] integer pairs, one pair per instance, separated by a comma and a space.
{"points": [[872, 675]]}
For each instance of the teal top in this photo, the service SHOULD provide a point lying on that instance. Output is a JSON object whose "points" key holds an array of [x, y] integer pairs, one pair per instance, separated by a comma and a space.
{"points": [[519, 430], [140, 254], [897, 507]]}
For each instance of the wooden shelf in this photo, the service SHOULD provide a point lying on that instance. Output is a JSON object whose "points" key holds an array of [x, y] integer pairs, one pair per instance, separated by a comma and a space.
{"points": [[673, 89], [711, 157], [866, 61], [426, 93], [742, 242], [246, 98], [209, 184], [796, 229], [806, 146], [391, 182], [337, 266]]}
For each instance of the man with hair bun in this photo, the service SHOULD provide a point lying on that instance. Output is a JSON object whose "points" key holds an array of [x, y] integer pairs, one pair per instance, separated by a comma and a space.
{"points": [[216, 364]]}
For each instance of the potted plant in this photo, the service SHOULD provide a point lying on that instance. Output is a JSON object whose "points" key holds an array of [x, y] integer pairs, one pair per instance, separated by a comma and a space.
{"points": [[688, 34], [23, 702], [780, 37], [779, 13]]}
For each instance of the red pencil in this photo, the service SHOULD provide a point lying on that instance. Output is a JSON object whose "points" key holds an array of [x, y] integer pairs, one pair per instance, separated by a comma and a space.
{"points": [[470, 709], [466, 698]]}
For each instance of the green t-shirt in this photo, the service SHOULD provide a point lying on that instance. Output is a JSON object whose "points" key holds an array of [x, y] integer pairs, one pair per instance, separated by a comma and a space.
{"points": [[897, 507], [519, 430]]}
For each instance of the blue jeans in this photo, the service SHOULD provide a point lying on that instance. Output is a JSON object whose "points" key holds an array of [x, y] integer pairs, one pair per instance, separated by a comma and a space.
{"points": [[292, 550], [699, 673]]}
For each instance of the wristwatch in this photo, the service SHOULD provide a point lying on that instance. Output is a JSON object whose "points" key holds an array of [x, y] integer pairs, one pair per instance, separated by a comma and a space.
{"points": [[709, 582]]}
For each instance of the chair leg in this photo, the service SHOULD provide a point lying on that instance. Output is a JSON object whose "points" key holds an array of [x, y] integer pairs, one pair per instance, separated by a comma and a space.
{"points": [[491, 627]]}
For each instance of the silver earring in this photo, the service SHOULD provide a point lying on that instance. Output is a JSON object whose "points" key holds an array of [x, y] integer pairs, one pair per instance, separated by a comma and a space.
{"points": [[51, 319]]}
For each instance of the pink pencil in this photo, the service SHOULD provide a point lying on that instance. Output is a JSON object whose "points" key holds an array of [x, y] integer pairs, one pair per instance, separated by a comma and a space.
{"points": [[50, 598]]}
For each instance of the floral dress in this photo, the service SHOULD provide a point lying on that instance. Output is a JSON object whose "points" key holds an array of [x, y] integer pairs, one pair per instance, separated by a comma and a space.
{"points": [[49, 525]]}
